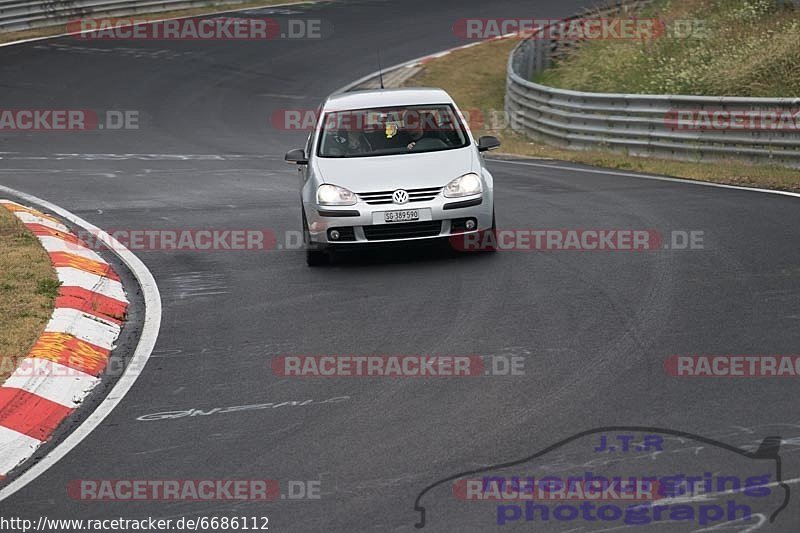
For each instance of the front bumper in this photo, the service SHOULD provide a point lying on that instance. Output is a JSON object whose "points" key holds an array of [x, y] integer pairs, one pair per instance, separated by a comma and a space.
{"points": [[356, 223]]}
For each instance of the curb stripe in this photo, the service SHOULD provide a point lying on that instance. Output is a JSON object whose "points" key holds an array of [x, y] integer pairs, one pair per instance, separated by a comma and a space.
{"points": [[74, 277], [65, 363], [70, 352], [42, 230], [15, 207], [30, 220], [52, 381], [102, 269], [10, 439], [59, 245], [83, 326], [91, 303], [29, 413]]}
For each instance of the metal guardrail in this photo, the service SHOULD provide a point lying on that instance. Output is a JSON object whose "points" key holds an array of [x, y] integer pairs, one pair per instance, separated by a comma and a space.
{"points": [[17, 15], [638, 124]]}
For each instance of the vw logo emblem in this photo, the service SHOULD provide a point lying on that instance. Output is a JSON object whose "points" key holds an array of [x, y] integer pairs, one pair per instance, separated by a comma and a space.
{"points": [[400, 196]]}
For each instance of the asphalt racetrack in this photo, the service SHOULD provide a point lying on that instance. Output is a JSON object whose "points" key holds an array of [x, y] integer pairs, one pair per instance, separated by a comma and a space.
{"points": [[592, 329]]}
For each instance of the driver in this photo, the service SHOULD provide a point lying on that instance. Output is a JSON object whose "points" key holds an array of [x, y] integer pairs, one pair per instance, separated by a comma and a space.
{"points": [[413, 127], [349, 142], [422, 126], [409, 134]]}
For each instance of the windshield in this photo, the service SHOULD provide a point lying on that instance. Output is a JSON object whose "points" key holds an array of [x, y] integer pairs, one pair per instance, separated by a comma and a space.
{"points": [[391, 131]]}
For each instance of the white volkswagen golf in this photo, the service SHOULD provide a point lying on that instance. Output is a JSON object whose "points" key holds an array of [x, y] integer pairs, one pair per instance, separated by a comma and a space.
{"points": [[391, 165]]}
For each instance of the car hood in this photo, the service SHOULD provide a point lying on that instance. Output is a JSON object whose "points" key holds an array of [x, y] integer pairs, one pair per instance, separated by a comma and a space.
{"points": [[390, 172]]}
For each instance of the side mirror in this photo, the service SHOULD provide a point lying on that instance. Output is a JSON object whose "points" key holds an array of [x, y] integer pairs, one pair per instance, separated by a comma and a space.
{"points": [[487, 142], [296, 157]]}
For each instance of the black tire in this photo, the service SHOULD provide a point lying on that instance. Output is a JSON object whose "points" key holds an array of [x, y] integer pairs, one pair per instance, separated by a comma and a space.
{"points": [[316, 258]]}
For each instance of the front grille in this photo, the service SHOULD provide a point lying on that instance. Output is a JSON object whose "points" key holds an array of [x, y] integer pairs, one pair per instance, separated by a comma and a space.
{"points": [[414, 195], [405, 230]]}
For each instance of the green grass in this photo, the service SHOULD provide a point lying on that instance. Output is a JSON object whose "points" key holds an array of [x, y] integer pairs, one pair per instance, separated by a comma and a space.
{"points": [[475, 77], [740, 48], [28, 288], [48, 287]]}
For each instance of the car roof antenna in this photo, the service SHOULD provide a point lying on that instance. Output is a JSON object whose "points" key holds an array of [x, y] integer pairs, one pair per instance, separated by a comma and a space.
{"points": [[380, 68]]}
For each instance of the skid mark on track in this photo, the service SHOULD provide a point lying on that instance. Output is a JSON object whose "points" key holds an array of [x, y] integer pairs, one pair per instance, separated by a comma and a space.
{"points": [[194, 285], [136, 53]]}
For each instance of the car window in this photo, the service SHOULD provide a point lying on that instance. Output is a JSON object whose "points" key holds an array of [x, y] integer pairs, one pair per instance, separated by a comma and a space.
{"points": [[391, 131]]}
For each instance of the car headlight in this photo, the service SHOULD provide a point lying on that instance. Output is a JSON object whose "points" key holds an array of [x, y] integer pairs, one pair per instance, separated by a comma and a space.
{"points": [[464, 186], [328, 194]]}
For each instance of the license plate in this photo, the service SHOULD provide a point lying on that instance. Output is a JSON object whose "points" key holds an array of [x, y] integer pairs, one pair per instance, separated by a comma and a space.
{"points": [[401, 216]]}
